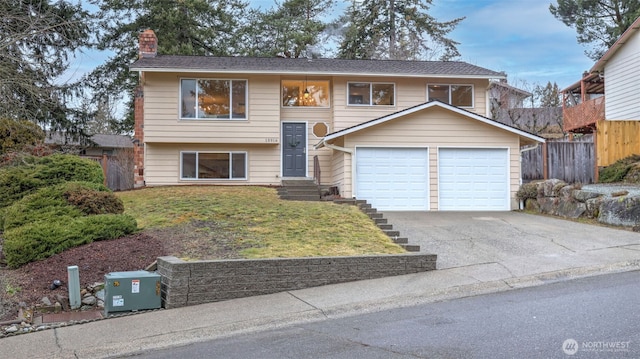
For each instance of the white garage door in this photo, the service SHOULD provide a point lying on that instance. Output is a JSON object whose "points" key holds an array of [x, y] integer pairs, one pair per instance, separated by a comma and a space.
{"points": [[393, 179], [473, 179]]}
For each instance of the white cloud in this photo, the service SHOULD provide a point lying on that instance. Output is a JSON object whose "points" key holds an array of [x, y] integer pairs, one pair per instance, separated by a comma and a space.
{"points": [[521, 38]]}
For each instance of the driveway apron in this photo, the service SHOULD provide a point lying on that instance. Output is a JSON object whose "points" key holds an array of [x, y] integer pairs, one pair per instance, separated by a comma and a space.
{"points": [[516, 242]]}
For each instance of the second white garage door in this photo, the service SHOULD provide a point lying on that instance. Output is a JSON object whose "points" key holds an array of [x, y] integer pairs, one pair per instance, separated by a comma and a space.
{"points": [[473, 179], [393, 179]]}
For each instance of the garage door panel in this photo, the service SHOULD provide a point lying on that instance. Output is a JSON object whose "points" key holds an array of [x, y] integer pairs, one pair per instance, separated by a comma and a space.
{"points": [[393, 178], [473, 179]]}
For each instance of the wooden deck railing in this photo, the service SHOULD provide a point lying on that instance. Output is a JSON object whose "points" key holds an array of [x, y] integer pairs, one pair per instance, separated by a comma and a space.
{"points": [[584, 115]]}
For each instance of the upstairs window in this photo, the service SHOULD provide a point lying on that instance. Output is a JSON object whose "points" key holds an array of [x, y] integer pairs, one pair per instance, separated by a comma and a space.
{"points": [[303, 93], [456, 95], [371, 94], [213, 99]]}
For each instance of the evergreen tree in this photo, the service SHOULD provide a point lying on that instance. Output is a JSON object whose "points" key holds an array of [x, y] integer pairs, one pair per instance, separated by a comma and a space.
{"points": [[183, 27], [292, 29], [549, 95], [599, 23], [396, 29], [37, 41]]}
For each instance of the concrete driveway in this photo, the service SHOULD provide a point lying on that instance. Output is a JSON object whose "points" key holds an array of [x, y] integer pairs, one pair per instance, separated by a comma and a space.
{"points": [[514, 244]]}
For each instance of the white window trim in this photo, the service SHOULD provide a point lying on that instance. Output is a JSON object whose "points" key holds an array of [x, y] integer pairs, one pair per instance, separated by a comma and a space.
{"points": [[473, 94], [231, 153], [246, 96], [371, 104]]}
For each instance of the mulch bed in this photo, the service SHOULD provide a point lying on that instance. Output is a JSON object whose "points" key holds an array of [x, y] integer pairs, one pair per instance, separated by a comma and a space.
{"points": [[94, 260]]}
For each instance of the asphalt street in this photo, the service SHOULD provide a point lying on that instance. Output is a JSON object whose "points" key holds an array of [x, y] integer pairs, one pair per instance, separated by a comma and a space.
{"points": [[595, 317]]}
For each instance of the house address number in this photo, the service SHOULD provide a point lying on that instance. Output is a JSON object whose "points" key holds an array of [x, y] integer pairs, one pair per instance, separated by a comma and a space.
{"points": [[271, 140]]}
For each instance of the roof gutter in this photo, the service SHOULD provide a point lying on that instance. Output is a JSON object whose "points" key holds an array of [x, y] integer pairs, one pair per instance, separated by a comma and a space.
{"points": [[323, 143]]}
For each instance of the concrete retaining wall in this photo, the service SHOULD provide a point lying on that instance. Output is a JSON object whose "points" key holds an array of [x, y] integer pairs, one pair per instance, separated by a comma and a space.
{"points": [[197, 282]]}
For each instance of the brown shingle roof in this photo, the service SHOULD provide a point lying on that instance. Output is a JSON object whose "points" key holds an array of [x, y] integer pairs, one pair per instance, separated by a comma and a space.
{"points": [[277, 65]]}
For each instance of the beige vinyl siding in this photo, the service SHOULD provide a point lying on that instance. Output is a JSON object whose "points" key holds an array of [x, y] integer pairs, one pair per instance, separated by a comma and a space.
{"points": [[162, 113], [162, 164], [434, 128], [622, 82], [409, 92], [338, 176]]}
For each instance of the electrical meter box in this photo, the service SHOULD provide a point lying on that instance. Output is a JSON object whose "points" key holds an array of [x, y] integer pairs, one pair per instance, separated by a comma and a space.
{"points": [[131, 291]]}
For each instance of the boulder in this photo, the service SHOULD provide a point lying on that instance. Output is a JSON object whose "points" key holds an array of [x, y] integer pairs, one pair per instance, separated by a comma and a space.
{"points": [[583, 196], [531, 205], [566, 192], [571, 209], [623, 211], [548, 205], [593, 207], [551, 187]]}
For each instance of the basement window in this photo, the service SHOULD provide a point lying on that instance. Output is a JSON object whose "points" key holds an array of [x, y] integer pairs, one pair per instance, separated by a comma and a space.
{"points": [[213, 165]]}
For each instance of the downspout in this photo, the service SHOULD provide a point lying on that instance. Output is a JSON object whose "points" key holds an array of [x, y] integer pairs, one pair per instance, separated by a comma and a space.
{"points": [[523, 150]]}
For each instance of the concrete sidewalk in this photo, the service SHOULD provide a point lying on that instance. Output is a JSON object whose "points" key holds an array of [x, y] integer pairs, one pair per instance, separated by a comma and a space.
{"points": [[500, 252]]}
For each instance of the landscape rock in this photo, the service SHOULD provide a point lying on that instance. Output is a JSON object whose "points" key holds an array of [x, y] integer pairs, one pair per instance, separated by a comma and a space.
{"points": [[593, 207], [551, 187], [46, 301], [623, 211], [566, 192], [584, 196], [571, 209], [89, 300], [548, 205], [11, 329]]}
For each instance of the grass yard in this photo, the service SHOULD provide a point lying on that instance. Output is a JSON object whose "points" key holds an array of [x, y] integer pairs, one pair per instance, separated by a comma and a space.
{"points": [[208, 222]]}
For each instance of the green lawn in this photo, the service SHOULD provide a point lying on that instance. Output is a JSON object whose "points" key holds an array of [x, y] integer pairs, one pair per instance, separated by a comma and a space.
{"points": [[253, 222]]}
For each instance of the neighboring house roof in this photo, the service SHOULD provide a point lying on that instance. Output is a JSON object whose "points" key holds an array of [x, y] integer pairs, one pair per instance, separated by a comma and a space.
{"points": [[433, 103], [277, 65], [509, 88], [107, 141]]}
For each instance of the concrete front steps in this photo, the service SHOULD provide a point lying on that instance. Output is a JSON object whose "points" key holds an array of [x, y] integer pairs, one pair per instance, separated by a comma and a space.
{"points": [[299, 190], [381, 222]]}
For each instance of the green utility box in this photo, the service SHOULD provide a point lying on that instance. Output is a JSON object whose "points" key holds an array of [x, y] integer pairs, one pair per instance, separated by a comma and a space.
{"points": [[131, 291]]}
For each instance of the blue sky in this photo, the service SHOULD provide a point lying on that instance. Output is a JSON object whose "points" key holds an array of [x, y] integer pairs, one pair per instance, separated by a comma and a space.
{"points": [[519, 37]]}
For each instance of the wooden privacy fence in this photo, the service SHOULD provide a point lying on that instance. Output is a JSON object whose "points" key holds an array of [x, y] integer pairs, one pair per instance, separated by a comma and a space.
{"points": [[617, 140], [117, 170], [569, 161]]}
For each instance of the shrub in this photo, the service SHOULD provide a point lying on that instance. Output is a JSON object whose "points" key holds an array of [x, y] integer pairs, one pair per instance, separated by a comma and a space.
{"points": [[17, 134], [527, 190], [39, 240], [617, 171], [51, 203], [19, 181], [91, 201]]}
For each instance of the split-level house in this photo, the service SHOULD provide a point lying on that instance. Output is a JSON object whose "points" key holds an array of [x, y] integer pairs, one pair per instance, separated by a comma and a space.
{"points": [[606, 100], [403, 135]]}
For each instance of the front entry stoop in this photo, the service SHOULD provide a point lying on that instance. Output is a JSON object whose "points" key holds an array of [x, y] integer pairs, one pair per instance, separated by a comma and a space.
{"points": [[381, 222], [299, 190]]}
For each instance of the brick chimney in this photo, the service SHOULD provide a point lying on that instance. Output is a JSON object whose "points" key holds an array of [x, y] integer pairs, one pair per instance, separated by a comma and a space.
{"points": [[148, 47], [148, 43]]}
